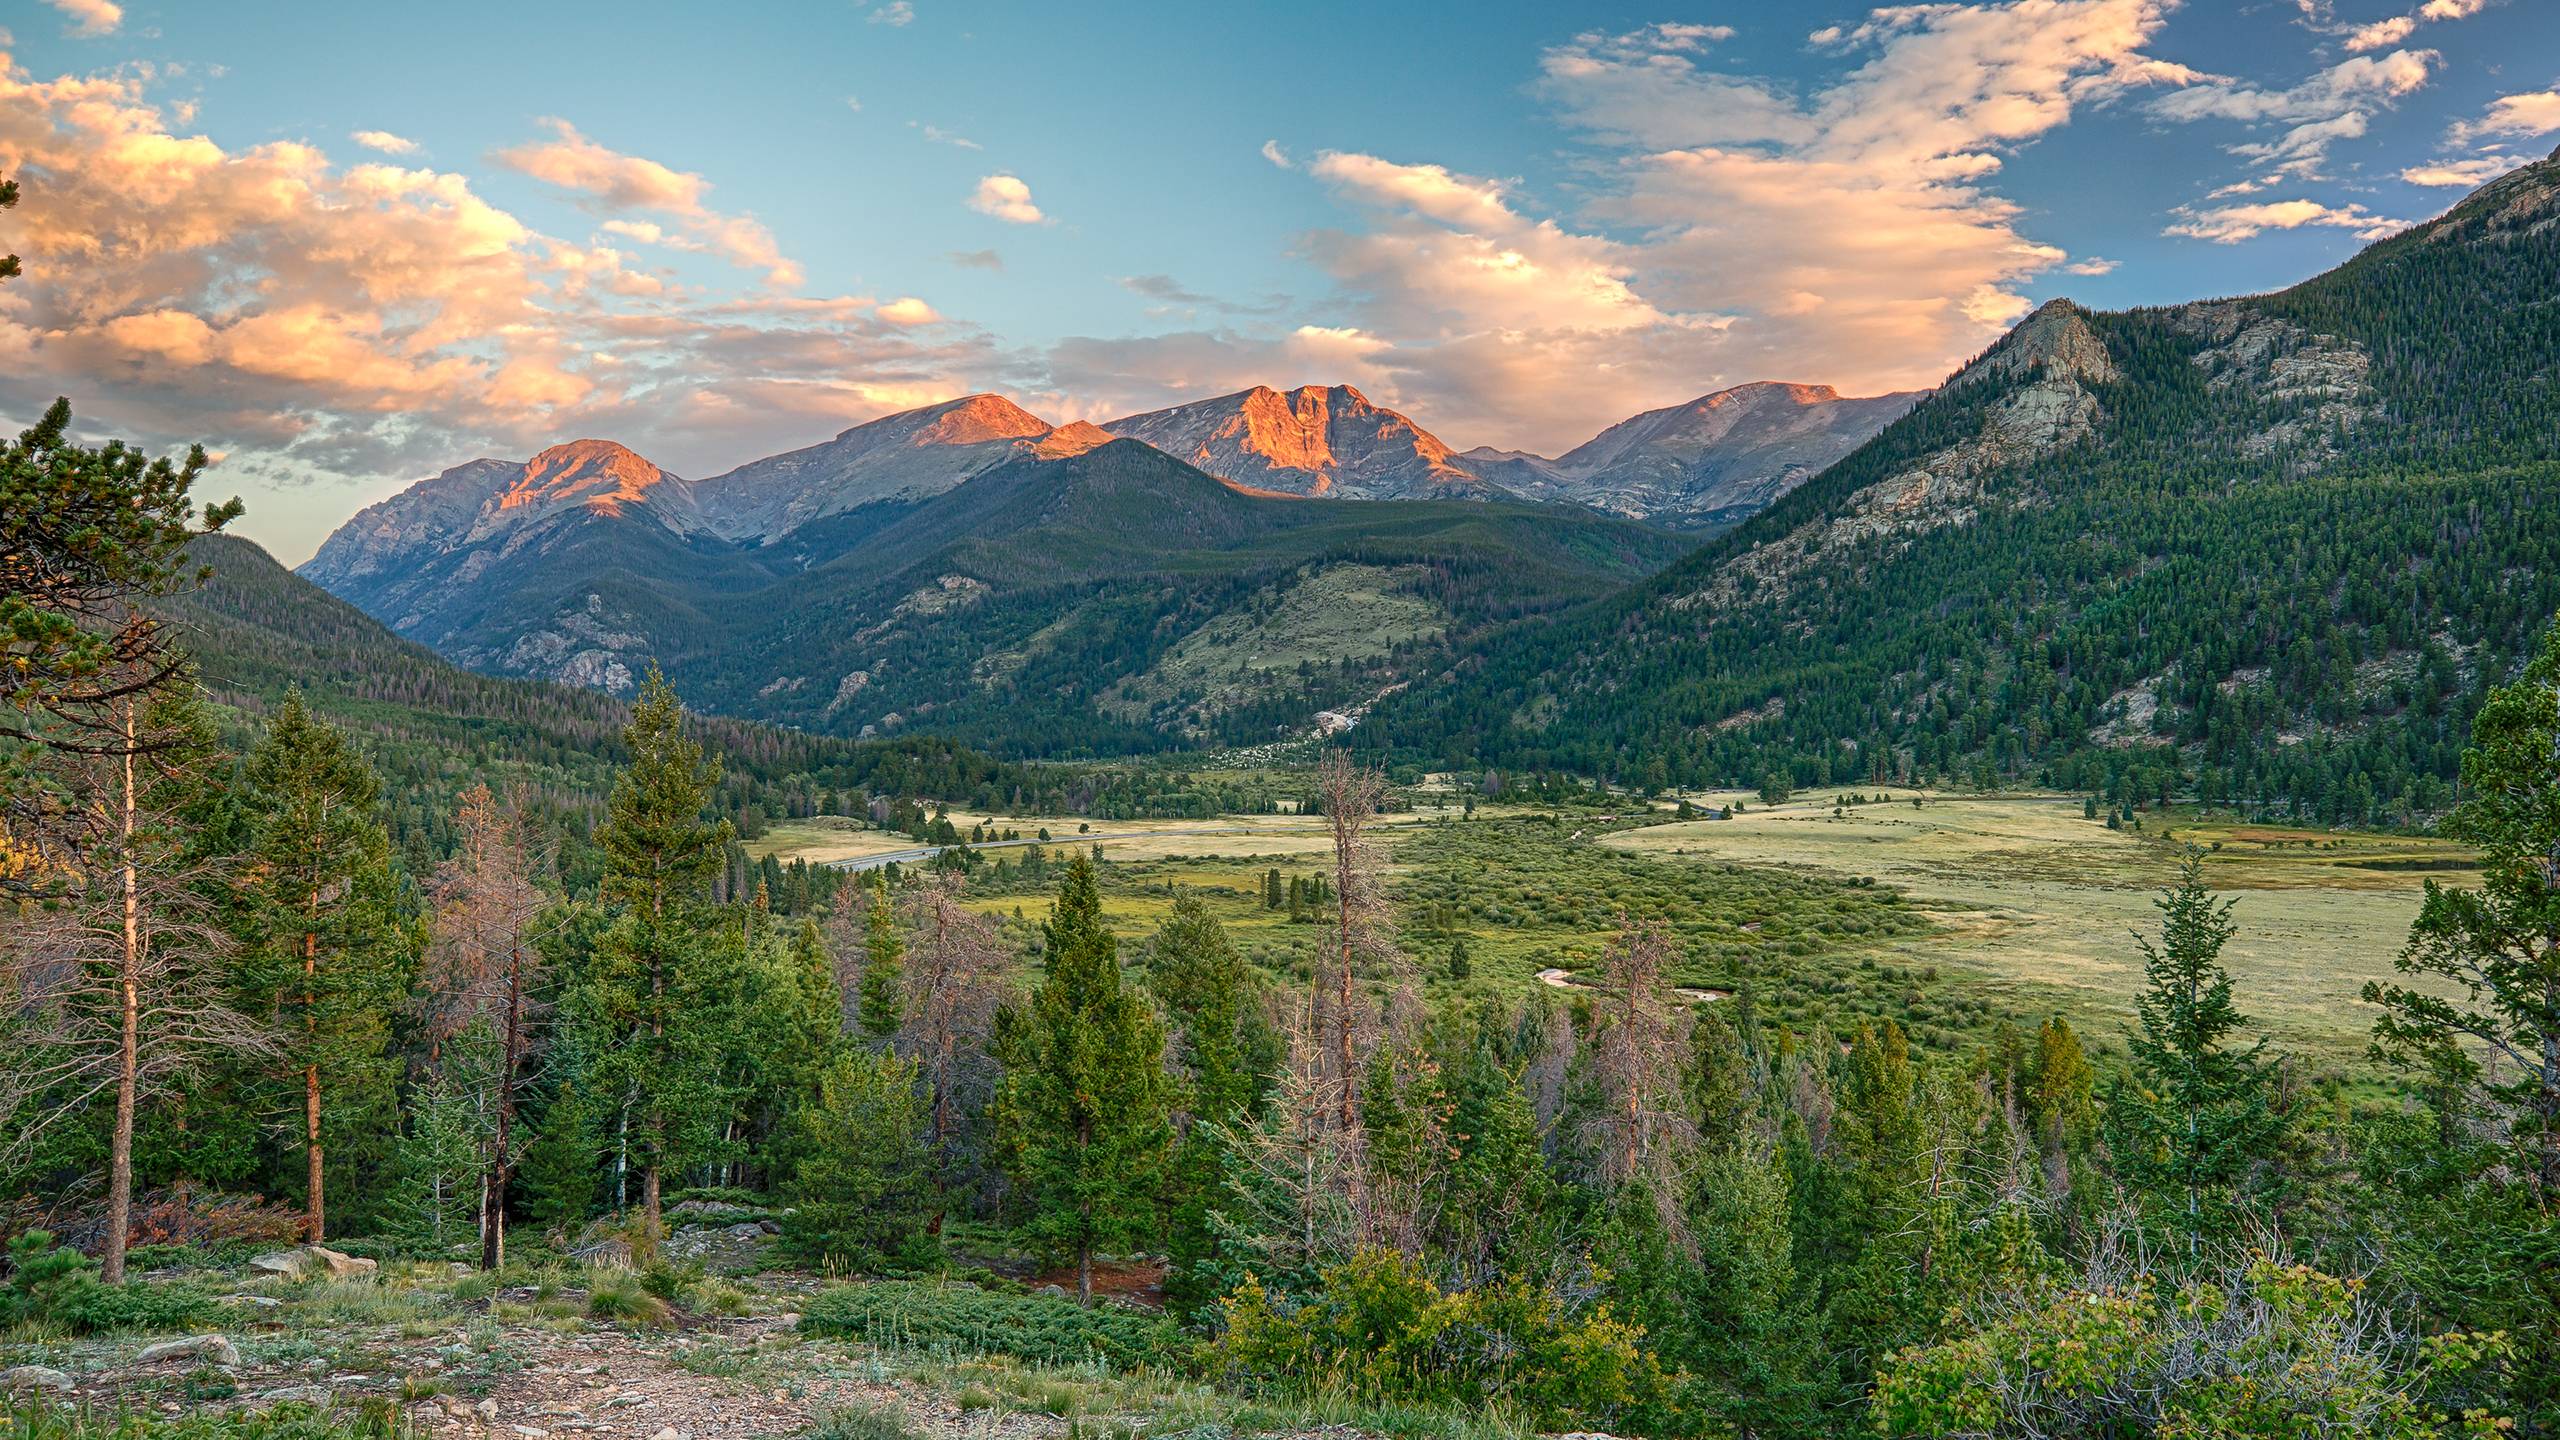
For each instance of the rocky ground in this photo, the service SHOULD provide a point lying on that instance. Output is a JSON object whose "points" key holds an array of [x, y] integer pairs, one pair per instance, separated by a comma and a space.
{"points": [[459, 1356]]}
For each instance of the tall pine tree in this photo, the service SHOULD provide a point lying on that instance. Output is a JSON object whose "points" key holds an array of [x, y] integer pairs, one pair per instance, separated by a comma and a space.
{"points": [[1081, 1113], [331, 954], [2192, 1130], [649, 987]]}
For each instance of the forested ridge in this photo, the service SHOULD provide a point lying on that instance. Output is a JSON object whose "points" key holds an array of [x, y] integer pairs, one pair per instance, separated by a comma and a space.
{"points": [[2298, 539]]}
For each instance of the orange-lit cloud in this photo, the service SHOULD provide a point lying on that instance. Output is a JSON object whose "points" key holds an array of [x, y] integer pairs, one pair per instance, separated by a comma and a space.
{"points": [[615, 182], [91, 17], [377, 321], [1737, 229], [1008, 199]]}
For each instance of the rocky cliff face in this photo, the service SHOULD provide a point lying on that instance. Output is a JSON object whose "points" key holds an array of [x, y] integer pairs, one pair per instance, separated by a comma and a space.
{"points": [[913, 455], [1315, 440]]}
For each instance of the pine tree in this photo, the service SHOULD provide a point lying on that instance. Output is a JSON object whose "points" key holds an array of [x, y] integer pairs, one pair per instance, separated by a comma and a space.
{"points": [[881, 1008], [2199, 1117], [864, 1192], [331, 955], [1081, 1112], [1208, 992], [2494, 953], [655, 987]]}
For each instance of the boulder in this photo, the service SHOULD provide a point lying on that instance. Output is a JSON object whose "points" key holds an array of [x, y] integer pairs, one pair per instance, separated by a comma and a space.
{"points": [[287, 1263], [32, 1377], [343, 1266], [204, 1349], [320, 1395]]}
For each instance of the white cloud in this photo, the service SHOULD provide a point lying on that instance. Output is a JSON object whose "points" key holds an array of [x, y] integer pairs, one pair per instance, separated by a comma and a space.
{"points": [[613, 181], [90, 18], [853, 102], [2336, 104], [385, 141], [897, 12], [1272, 152], [2463, 174], [940, 136], [2535, 112], [2094, 265], [908, 310], [2231, 224], [1007, 199]]}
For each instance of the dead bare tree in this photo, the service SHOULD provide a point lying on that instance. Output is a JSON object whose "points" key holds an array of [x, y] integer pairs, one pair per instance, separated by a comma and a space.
{"points": [[1356, 931], [116, 987], [1297, 1195], [482, 967], [1640, 1129], [955, 973]]}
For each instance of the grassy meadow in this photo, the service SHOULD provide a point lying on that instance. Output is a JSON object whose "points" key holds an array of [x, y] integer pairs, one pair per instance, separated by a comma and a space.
{"points": [[1945, 914]]}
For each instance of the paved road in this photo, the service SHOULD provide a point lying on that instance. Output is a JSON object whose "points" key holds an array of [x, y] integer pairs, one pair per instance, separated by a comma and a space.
{"points": [[927, 852]]}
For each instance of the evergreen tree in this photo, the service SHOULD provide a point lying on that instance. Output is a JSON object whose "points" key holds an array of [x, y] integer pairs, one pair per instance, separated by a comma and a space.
{"points": [[1081, 1112], [655, 986], [1225, 1054], [881, 1008], [2198, 1119], [331, 954], [2494, 953], [864, 1189]]}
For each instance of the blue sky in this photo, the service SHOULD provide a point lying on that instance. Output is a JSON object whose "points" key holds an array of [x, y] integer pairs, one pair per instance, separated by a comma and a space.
{"points": [[714, 232]]}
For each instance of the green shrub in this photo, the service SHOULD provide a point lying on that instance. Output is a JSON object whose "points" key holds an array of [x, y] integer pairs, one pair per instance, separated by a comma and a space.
{"points": [[373, 1420], [1382, 1330], [618, 1295], [924, 1315], [59, 1288], [866, 1422]]}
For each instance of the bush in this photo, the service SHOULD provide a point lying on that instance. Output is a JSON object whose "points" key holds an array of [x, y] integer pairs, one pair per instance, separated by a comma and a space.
{"points": [[866, 1422], [60, 1288], [922, 1315], [373, 1420], [1381, 1329], [619, 1295]]}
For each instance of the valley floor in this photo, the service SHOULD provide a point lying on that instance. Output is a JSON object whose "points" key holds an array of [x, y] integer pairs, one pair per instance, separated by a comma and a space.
{"points": [[2035, 905], [2043, 903]]}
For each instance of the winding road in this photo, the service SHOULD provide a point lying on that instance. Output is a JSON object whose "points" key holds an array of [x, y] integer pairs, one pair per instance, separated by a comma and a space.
{"points": [[927, 852]]}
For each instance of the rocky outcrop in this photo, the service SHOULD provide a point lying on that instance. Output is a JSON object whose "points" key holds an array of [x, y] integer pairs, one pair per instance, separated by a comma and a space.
{"points": [[1315, 440]]}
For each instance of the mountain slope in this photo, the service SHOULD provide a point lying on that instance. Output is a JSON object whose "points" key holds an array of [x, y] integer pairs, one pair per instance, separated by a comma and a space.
{"points": [[256, 629], [1007, 610], [2274, 547], [913, 455], [1314, 440], [1725, 455]]}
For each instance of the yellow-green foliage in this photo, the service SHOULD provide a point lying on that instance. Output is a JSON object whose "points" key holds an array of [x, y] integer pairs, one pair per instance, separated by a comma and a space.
{"points": [[1382, 1329], [2276, 1352]]}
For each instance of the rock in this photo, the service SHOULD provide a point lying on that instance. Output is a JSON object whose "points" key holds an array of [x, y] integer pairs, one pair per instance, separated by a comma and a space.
{"points": [[288, 1263], [1054, 1292], [486, 1409], [605, 1254], [320, 1395], [531, 1432], [669, 1433], [210, 1349], [343, 1266], [261, 1302], [32, 1377]]}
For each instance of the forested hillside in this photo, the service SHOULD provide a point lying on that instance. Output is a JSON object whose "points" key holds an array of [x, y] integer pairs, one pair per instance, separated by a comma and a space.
{"points": [[2272, 550], [256, 630]]}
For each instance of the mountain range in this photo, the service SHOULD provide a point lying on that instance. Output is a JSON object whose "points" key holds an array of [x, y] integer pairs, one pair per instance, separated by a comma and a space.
{"points": [[2275, 546]]}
